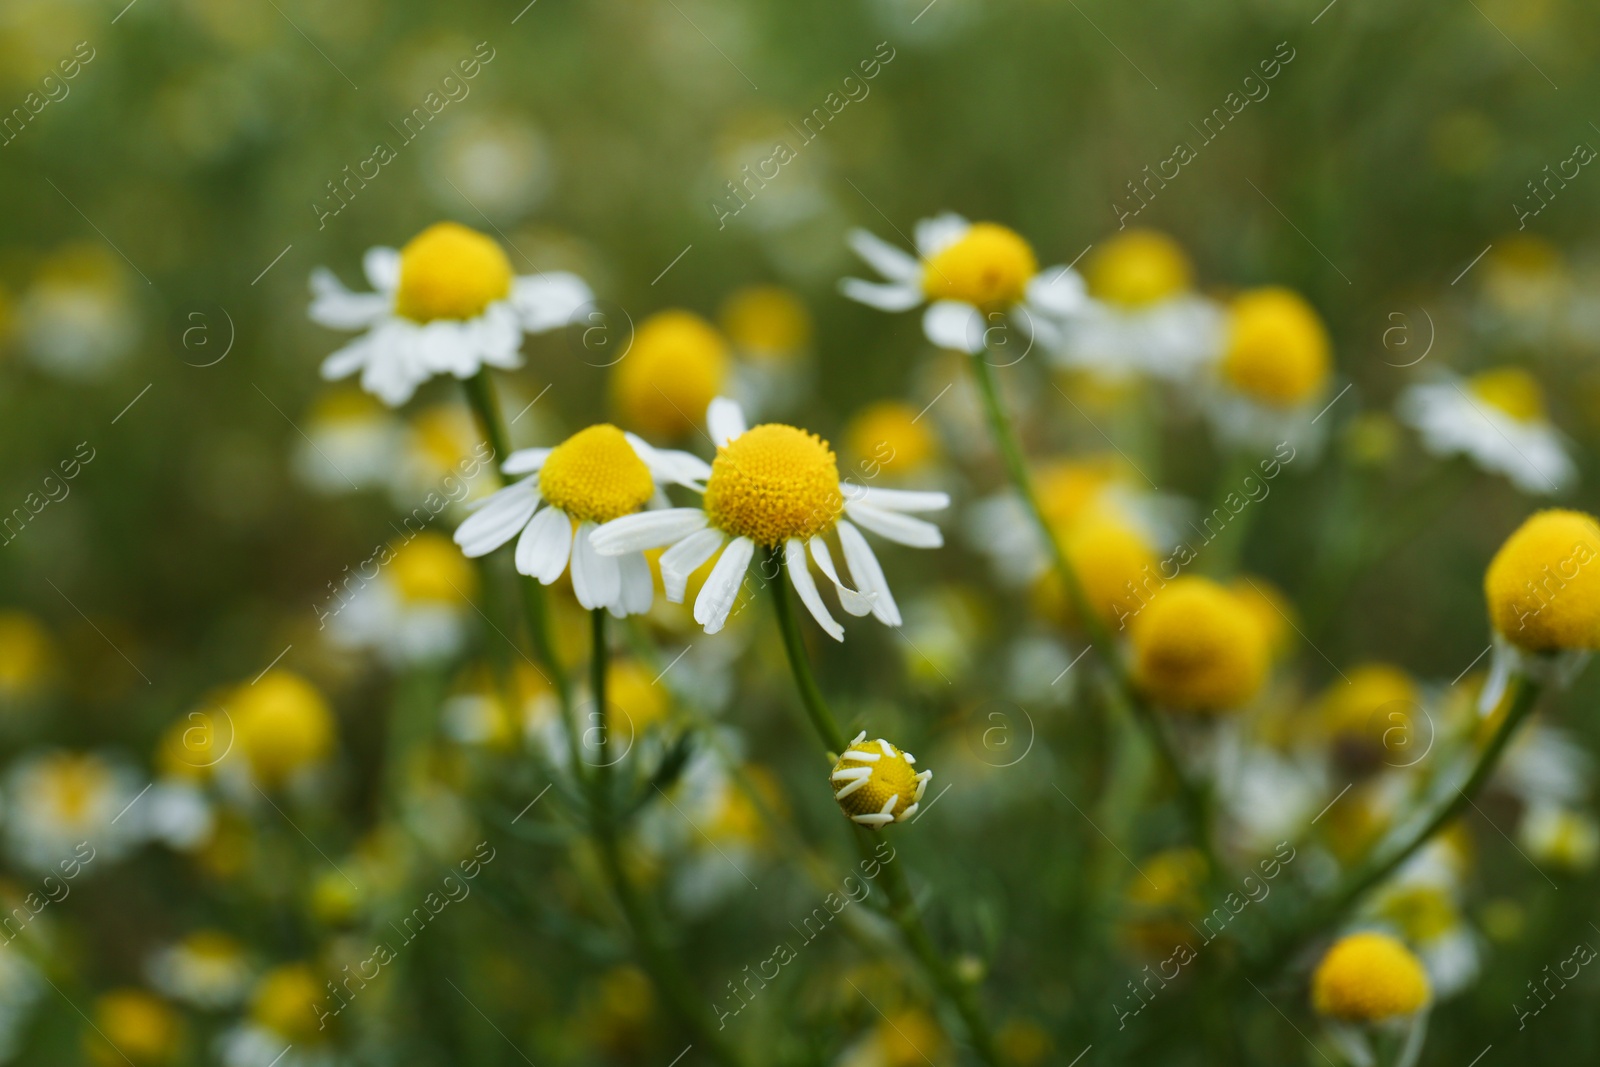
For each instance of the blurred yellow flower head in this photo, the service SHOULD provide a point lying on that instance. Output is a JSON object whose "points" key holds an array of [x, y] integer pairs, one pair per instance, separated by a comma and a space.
{"points": [[450, 272], [1277, 350], [1112, 560], [1510, 390], [28, 655], [596, 476], [1196, 647], [1542, 586], [988, 267], [1347, 704], [1367, 977], [888, 437], [282, 725], [766, 323], [132, 1025], [429, 567], [678, 364], [875, 784], [1138, 267], [285, 1002]]}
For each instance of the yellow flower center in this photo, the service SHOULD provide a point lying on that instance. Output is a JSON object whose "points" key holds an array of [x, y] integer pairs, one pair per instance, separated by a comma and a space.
{"points": [[282, 724], [772, 483], [1543, 586], [891, 775], [1197, 648], [768, 322], [1511, 390], [1347, 705], [430, 567], [1422, 912], [1368, 976], [285, 1002], [1138, 267], [134, 1022], [596, 476], [73, 783], [1114, 563], [450, 272], [676, 366], [989, 267], [887, 436], [1277, 348]]}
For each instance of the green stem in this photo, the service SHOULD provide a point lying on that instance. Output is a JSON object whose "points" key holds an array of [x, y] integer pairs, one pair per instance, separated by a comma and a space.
{"points": [[1220, 556], [902, 904], [1010, 448], [1381, 863], [670, 978]]}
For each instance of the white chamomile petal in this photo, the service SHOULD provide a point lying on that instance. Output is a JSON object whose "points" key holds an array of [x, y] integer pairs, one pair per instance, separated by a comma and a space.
{"points": [[671, 465], [686, 557], [794, 557], [891, 262], [1058, 291], [647, 529], [498, 519], [545, 545], [382, 268], [895, 499], [940, 232], [722, 586], [891, 296], [725, 419], [868, 574], [902, 529], [548, 301], [596, 579], [954, 325], [526, 460], [638, 588], [852, 601], [338, 308]]}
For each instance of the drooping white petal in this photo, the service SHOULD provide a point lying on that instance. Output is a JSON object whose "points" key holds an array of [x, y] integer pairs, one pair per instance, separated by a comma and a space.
{"points": [[671, 465], [725, 420], [893, 263], [893, 296], [547, 301], [896, 499], [638, 588], [596, 579], [496, 337], [498, 519], [545, 545], [722, 586], [1058, 291], [347, 360], [337, 308], [382, 267], [853, 602], [903, 529], [954, 325], [686, 557], [526, 460], [868, 574], [940, 232], [647, 529], [794, 558]]}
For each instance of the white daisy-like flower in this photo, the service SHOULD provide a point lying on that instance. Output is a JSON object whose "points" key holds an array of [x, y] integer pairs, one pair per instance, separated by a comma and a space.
{"points": [[446, 303], [1497, 419], [63, 806], [972, 275], [593, 477], [1143, 316], [777, 488], [414, 607], [1272, 378], [207, 969]]}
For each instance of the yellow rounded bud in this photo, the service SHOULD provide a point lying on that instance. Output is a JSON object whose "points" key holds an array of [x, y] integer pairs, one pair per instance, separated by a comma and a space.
{"points": [[1348, 704], [134, 1026], [1115, 565], [767, 323], [874, 782], [1138, 267], [675, 368], [989, 267], [1277, 348], [286, 1002], [1543, 594], [889, 436], [449, 271], [1366, 977], [1196, 647], [281, 724]]}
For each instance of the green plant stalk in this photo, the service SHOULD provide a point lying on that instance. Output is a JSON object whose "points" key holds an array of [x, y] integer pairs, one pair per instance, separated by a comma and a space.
{"points": [[902, 904], [1382, 862], [662, 966], [1192, 794]]}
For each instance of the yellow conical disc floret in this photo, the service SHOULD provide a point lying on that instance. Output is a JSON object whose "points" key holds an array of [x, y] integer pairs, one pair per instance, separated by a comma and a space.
{"points": [[989, 267], [774, 482], [450, 272], [281, 724], [1277, 348], [1197, 648], [876, 784], [1138, 267], [596, 476], [429, 568], [1366, 977], [1510, 390], [1543, 586], [676, 366]]}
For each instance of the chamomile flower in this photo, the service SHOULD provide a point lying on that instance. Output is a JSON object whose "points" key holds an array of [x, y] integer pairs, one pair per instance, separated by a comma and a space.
{"points": [[776, 487], [29, 659], [1273, 371], [415, 608], [1143, 316], [1561, 838], [1367, 977], [282, 727], [63, 806], [971, 275], [206, 969], [888, 437], [678, 363], [133, 1026], [876, 783], [593, 477], [283, 1029], [770, 330], [446, 303], [1497, 419], [1197, 648], [350, 443]]}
